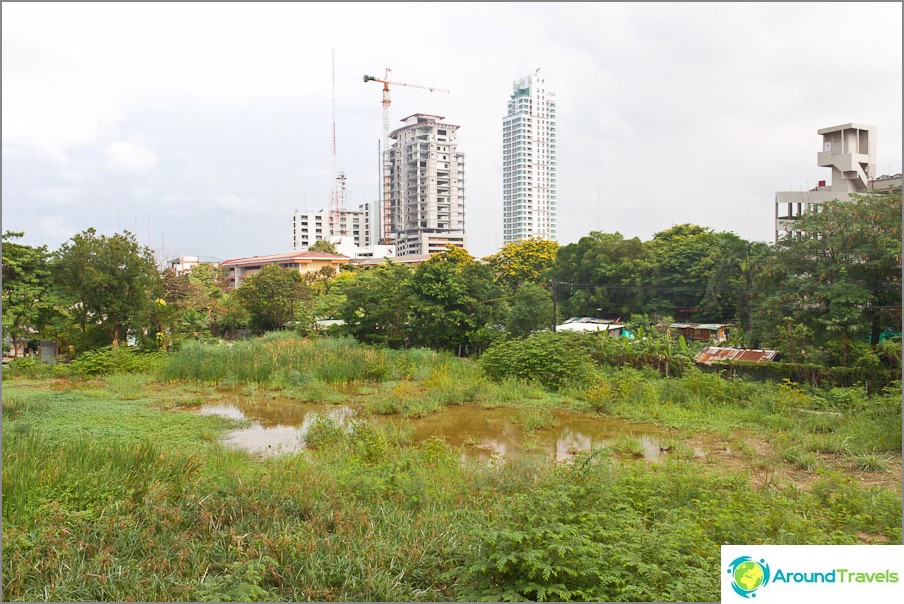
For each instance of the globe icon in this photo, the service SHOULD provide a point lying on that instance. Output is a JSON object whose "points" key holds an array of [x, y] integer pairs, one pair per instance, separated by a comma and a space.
{"points": [[748, 575]]}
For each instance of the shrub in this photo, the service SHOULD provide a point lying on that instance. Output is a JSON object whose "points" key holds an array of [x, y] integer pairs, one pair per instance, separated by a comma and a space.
{"points": [[107, 360], [549, 358], [29, 367]]}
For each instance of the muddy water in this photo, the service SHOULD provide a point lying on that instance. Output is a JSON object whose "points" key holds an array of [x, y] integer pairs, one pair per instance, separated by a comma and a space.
{"points": [[280, 425], [495, 433]]}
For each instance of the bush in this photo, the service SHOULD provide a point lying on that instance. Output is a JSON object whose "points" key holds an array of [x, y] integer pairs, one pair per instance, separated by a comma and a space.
{"points": [[109, 360], [29, 367], [549, 358]]}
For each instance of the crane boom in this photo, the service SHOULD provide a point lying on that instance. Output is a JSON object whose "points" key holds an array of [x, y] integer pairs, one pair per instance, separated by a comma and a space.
{"points": [[386, 177], [386, 83]]}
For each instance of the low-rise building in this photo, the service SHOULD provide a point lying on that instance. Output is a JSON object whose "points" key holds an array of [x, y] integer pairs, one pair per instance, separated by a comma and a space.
{"points": [[589, 324], [238, 269], [700, 332]]}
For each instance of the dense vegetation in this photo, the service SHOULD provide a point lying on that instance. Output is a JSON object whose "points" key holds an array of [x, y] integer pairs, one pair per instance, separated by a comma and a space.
{"points": [[830, 295], [110, 493]]}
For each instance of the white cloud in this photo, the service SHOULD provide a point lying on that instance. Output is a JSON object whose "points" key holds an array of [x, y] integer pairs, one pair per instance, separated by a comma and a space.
{"points": [[129, 156], [56, 195], [53, 228]]}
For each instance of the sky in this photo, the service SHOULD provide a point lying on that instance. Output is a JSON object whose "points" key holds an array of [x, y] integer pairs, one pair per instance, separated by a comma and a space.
{"points": [[202, 127]]}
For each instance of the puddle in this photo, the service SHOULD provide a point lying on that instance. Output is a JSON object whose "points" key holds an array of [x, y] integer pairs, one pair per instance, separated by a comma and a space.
{"points": [[281, 424], [489, 434]]}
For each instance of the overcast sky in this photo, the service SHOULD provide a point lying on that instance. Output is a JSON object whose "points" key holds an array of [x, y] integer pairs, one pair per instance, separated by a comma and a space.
{"points": [[203, 127]]}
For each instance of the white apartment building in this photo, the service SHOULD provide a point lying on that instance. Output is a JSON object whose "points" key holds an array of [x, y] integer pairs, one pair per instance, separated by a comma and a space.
{"points": [[313, 225], [184, 264], [427, 189], [529, 161], [850, 151]]}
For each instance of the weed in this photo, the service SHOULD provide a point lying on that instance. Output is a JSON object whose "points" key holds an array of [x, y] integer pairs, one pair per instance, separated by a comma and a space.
{"points": [[535, 418], [870, 462]]}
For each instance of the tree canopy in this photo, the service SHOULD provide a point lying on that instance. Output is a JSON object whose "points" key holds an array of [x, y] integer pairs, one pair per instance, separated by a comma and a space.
{"points": [[528, 260], [109, 278], [322, 245], [272, 297], [839, 275], [29, 301]]}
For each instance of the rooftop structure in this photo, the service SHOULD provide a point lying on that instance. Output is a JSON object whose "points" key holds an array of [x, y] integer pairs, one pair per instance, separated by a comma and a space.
{"points": [[237, 269], [850, 151], [584, 324], [712, 354], [701, 332]]}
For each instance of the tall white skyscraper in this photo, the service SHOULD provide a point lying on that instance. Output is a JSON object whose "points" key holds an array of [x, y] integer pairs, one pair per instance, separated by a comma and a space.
{"points": [[529, 161], [427, 186]]}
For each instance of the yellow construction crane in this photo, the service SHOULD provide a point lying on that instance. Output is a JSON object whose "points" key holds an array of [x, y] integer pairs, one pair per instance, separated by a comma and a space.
{"points": [[386, 210]]}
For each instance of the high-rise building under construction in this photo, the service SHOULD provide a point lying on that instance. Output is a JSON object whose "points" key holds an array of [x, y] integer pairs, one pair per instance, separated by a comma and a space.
{"points": [[427, 193], [529, 161]]}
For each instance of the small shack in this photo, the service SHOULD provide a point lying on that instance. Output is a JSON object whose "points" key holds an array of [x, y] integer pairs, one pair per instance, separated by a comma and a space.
{"points": [[701, 332], [712, 354], [589, 324]]}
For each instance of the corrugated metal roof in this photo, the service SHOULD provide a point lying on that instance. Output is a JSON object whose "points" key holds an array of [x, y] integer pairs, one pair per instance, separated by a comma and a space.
{"points": [[715, 353], [710, 326]]}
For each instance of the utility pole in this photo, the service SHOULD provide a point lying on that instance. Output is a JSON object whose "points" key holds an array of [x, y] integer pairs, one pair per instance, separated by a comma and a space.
{"points": [[555, 301]]}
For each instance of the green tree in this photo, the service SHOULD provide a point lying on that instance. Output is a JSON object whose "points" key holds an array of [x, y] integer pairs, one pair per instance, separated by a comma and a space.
{"points": [[110, 279], [530, 309], [454, 298], [322, 245], [604, 271], [840, 276], [378, 302], [528, 260], [272, 297], [696, 271], [30, 304]]}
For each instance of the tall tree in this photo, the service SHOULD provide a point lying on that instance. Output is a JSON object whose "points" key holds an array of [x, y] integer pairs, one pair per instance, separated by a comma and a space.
{"points": [[110, 278], [377, 306], [455, 297], [525, 261], [29, 300], [841, 276], [272, 297], [687, 258], [604, 271]]}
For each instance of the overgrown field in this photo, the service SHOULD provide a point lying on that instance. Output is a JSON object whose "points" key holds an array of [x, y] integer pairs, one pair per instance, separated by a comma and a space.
{"points": [[110, 493]]}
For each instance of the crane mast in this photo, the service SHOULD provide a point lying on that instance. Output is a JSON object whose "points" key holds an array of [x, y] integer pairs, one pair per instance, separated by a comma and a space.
{"points": [[386, 209]]}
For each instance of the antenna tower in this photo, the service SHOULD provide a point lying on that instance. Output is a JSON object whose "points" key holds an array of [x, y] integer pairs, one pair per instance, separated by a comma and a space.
{"points": [[338, 192]]}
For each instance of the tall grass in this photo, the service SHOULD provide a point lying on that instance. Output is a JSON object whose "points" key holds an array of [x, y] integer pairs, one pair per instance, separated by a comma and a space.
{"points": [[284, 359]]}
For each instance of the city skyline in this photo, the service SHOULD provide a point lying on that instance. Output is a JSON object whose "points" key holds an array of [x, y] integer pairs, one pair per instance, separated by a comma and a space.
{"points": [[208, 143]]}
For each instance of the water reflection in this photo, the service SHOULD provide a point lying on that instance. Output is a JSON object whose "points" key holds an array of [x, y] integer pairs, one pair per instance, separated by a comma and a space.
{"points": [[281, 425], [489, 434]]}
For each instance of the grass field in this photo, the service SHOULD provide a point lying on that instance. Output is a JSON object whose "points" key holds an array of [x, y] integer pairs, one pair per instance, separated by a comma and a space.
{"points": [[110, 493]]}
